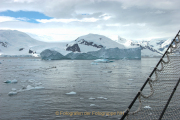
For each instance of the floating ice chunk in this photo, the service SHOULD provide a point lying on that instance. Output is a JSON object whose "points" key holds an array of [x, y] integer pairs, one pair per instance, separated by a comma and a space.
{"points": [[92, 98], [29, 87], [71, 93], [94, 63], [14, 81], [102, 60], [13, 89], [130, 79], [148, 107], [7, 81], [81, 98], [102, 98], [39, 87], [12, 93], [11, 81], [92, 105]]}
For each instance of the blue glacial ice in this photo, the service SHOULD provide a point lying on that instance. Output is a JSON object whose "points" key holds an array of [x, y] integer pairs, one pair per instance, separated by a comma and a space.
{"points": [[111, 53]]}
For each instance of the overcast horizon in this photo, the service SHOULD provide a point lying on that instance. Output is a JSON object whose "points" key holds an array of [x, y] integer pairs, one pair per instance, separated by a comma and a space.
{"points": [[65, 20]]}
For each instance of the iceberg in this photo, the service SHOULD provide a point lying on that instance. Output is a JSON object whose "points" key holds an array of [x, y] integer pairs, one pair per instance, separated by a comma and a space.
{"points": [[111, 53], [116, 53], [80, 56], [51, 55], [103, 54]]}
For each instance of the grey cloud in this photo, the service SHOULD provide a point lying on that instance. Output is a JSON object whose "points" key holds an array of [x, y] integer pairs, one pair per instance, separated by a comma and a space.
{"points": [[158, 16]]}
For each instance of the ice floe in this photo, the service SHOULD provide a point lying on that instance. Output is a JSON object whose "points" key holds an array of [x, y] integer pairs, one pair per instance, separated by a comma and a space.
{"points": [[102, 98], [91, 98], [11, 81], [29, 87], [92, 105], [148, 107], [12, 93], [14, 81], [130, 79], [93, 63], [102, 60], [13, 89], [71, 93]]}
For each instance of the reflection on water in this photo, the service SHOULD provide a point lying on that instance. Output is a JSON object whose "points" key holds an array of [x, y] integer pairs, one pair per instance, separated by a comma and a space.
{"points": [[105, 87]]}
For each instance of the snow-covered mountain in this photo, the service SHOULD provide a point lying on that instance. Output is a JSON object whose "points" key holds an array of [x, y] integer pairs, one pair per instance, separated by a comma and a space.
{"points": [[92, 42], [13, 42], [154, 47], [93, 46]]}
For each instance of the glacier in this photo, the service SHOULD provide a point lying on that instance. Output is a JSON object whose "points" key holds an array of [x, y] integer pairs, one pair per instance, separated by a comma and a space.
{"points": [[111, 53]]}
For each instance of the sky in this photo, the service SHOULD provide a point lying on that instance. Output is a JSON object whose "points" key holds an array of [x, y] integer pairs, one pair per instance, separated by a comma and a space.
{"points": [[65, 20]]}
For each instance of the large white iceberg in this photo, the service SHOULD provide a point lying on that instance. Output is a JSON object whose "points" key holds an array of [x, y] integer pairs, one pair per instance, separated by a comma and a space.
{"points": [[111, 53]]}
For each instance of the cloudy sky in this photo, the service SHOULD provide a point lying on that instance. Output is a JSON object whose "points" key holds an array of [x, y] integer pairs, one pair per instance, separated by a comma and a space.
{"points": [[60, 20]]}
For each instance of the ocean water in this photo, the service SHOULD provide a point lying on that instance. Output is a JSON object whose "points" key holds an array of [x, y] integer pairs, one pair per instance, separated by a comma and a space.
{"points": [[69, 89]]}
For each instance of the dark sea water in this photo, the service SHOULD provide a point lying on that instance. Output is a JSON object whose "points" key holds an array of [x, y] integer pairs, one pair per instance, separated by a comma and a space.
{"points": [[98, 91]]}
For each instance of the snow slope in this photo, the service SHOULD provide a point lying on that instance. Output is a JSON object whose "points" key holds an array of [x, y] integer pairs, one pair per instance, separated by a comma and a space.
{"points": [[13, 42], [154, 47], [92, 42]]}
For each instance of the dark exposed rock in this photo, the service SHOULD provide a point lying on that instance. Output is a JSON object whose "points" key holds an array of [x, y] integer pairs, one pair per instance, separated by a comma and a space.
{"points": [[30, 51], [146, 47], [4, 44], [89, 43], [73, 48], [21, 49]]}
